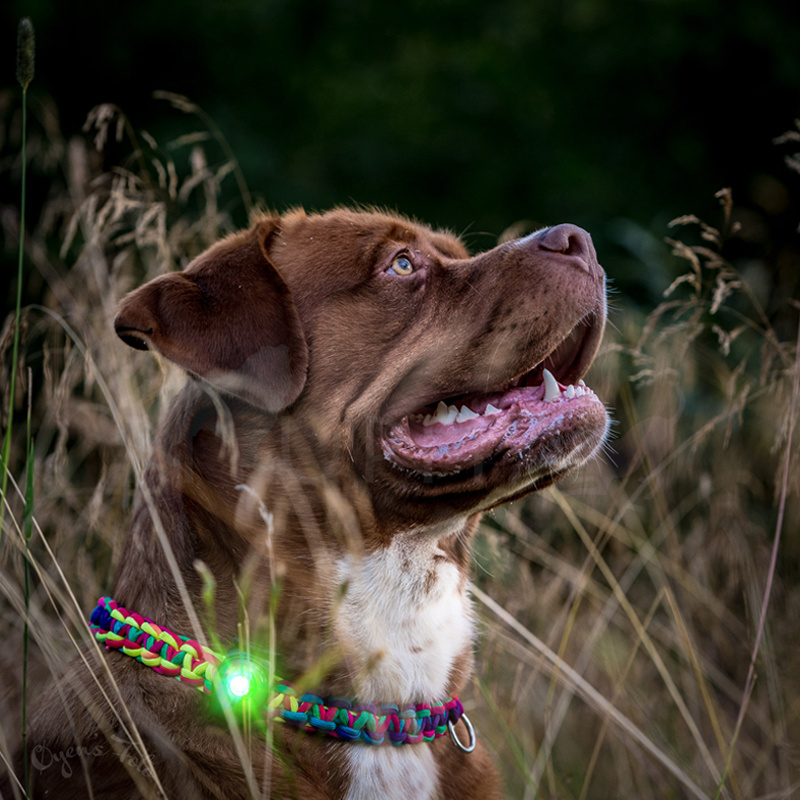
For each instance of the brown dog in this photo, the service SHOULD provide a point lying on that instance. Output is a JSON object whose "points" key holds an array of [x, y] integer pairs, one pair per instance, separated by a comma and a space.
{"points": [[362, 390]]}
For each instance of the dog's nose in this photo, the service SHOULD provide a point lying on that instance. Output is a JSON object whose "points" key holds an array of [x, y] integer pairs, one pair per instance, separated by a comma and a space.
{"points": [[569, 240]]}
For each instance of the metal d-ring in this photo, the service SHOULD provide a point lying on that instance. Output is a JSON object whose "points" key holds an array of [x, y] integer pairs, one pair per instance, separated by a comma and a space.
{"points": [[467, 748]]}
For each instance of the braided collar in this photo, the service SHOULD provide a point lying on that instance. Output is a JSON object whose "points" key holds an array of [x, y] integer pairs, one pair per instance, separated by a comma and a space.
{"points": [[191, 663]]}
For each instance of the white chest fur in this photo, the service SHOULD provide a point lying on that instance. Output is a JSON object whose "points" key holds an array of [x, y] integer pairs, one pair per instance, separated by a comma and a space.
{"points": [[403, 620], [392, 773]]}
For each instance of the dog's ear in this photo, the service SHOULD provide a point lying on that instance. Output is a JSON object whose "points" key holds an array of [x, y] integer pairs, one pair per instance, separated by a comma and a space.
{"points": [[229, 318]]}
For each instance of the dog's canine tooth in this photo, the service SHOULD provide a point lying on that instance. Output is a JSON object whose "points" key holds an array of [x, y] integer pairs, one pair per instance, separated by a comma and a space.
{"points": [[551, 390], [465, 414], [491, 411]]}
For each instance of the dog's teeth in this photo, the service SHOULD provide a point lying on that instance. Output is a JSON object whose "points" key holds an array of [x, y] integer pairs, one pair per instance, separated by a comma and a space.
{"points": [[551, 390], [579, 391], [447, 415], [465, 414], [444, 415], [570, 392], [581, 384], [440, 414]]}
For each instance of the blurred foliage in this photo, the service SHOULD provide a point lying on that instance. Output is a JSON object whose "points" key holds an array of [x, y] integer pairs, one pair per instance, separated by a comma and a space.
{"points": [[615, 114]]}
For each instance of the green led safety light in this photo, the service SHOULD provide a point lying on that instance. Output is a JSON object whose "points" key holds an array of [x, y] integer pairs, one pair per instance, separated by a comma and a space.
{"points": [[241, 681], [239, 685]]}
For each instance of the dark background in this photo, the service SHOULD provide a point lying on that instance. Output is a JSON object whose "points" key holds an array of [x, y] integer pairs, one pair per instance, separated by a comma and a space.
{"points": [[615, 114]]}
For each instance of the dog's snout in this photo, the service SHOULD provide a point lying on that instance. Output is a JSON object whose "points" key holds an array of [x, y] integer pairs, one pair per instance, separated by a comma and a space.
{"points": [[569, 240]]}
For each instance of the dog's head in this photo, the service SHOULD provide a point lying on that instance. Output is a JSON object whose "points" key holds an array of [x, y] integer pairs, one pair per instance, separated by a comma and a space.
{"points": [[443, 383]]}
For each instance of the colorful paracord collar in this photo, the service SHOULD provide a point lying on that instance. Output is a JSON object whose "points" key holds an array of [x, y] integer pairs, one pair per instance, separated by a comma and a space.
{"points": [[188, 661]]}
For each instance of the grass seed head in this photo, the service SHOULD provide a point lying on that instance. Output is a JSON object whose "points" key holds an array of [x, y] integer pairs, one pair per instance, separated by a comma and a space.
{"points": [[26, 51]]}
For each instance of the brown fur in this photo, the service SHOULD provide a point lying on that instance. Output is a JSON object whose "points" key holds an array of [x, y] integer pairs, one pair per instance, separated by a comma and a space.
{"points": [[302, 347]]}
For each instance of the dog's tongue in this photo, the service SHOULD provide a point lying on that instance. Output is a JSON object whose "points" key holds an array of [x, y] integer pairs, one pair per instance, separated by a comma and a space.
{"points": [[453, 437]]}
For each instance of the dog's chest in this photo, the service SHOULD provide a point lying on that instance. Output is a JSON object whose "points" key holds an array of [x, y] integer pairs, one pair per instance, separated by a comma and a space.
{"points": [[404, 619]]}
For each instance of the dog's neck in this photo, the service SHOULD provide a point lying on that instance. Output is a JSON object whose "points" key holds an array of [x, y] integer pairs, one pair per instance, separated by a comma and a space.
{"points": [[380, 618], [404, 619]]}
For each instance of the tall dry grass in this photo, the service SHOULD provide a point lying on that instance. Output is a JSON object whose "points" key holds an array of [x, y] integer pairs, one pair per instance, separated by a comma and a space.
{"points": [[639, 623]]}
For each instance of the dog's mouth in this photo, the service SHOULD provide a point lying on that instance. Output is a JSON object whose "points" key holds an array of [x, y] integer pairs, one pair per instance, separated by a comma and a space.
{"points": [[546, 419]]}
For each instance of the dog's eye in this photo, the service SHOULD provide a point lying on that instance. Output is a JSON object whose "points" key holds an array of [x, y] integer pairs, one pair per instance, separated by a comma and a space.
{"points": [[401, 266]]}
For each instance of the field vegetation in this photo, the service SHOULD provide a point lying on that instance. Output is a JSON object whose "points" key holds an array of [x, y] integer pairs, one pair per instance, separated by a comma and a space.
{"points": [[639, 624]]}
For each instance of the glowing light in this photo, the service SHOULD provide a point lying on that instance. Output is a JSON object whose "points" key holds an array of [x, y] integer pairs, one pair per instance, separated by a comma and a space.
{"points": [[241, 682], [239, 685]]}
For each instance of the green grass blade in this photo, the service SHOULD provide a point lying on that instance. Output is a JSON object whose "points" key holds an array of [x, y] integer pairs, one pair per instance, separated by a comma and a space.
{"points": [[25, 64]]}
